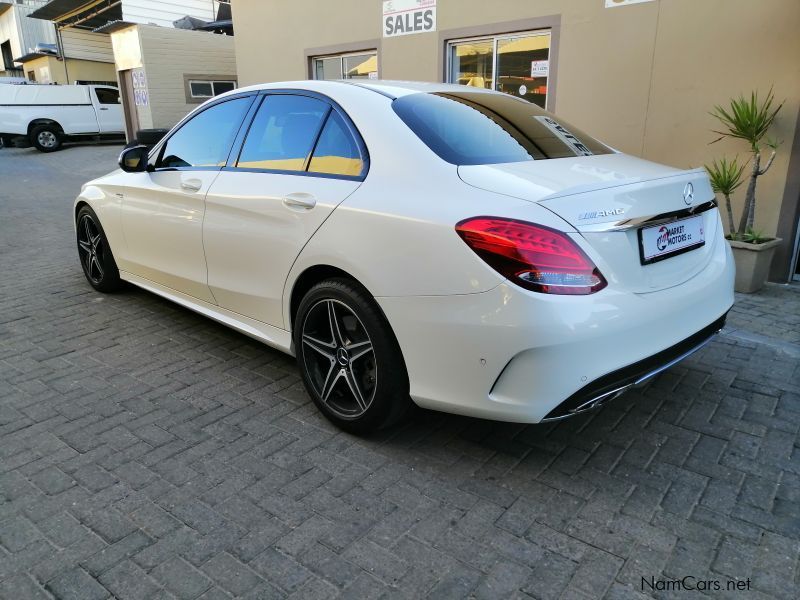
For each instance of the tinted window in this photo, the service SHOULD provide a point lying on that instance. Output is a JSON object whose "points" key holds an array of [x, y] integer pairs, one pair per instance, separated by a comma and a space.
{"points": [[107, 96], [472, 128], [205, 140], [336, 151], [283, 133], [220, 87]]}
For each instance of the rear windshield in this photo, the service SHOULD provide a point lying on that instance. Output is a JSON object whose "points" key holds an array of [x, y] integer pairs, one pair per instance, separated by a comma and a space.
{"points": [[469, 128]]}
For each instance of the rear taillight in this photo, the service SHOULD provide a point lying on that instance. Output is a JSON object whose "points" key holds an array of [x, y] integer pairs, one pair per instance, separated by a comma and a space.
{"points": [[533, 256]]}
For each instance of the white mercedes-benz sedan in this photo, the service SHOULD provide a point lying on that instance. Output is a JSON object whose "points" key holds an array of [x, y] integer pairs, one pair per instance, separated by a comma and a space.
{"points": [[451, 246]]}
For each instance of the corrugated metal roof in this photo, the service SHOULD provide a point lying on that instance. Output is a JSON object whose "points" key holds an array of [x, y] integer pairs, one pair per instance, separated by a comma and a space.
{"points": [[55, 10]]}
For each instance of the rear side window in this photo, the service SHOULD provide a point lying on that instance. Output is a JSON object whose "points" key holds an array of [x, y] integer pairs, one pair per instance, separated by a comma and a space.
{"points": [[107, 95], [337, 152], [473, 128], [206, 139], [283, 133]]}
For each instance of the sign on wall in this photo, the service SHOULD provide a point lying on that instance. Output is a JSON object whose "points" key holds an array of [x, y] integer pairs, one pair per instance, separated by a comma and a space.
{"points": [[613, 3], [540, 68], [139, 87], [404, 17]]}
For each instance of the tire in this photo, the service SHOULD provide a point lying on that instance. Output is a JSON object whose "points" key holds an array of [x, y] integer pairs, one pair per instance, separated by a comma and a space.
{"points": [[361, 351], [47, 138], [94, 253]]}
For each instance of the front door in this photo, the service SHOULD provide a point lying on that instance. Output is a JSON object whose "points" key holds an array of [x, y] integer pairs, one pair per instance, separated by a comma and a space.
{"points": [[163, 210], [262, 210], [109, 110]]}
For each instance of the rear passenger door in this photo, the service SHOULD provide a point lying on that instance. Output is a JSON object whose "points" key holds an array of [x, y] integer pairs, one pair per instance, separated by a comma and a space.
{"points": [[300, 158]]}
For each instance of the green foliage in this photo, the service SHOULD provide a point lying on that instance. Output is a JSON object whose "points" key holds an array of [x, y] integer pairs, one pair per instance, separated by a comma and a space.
{"points": [[725, 175], [748, 119], [753, 236]]}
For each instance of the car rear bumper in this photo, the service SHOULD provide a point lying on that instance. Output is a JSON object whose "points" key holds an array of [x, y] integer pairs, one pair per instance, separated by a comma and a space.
{"points": [[513, 355]]}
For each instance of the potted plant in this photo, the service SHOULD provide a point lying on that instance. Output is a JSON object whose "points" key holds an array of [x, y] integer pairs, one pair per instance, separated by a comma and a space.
{"points": [[747, 119]]}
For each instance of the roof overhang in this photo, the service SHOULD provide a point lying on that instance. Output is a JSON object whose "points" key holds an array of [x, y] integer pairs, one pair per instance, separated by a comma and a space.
{"points": [[33, 56], [86, 14], [113, 26]]}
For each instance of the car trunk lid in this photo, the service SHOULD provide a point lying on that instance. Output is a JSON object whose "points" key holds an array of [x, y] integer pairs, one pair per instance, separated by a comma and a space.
{"points": [[609, 200]]}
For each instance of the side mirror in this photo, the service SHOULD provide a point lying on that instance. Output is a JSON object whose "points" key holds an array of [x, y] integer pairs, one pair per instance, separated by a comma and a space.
{"points": [[134, 160]]}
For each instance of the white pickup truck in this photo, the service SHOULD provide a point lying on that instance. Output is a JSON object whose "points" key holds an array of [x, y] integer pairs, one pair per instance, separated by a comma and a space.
{"points": [[47, 115]]}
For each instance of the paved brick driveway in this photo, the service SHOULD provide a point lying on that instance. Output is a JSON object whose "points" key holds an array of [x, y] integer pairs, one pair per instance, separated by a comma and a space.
{"points": [[147, 452]]}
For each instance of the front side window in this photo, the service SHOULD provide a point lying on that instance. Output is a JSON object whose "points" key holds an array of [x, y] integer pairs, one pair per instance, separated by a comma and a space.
{"points": [[283, 133], [361, 65], [474, 128], [517, 64], [107, 96], [206, 139]]}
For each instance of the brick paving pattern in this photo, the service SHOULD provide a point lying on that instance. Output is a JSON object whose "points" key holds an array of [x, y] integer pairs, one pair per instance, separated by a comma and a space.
{"points": [[146, 452]]}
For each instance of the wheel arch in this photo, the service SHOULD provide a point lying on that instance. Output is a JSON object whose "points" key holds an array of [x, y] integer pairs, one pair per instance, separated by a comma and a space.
{"points": [[36, 122], [309, 278]]}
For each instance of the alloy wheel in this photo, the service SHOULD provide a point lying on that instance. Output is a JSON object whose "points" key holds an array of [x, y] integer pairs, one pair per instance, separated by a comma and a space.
{"points": [[339, 358], [91, 249]]}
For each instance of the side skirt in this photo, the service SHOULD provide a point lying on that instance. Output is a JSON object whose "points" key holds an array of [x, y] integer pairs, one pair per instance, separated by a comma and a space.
{"points": [[277, 338]]}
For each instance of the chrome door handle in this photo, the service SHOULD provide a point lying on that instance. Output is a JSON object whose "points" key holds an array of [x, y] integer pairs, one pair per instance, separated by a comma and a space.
{"points": [[191, 185], [300, 200], [101, 108]]}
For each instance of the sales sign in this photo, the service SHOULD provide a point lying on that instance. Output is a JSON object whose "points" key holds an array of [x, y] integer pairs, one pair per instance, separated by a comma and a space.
{"points": [[615, 3], [404, 17]]}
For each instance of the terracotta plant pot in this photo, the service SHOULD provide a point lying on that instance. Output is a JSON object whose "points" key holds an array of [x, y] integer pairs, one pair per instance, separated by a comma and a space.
{"points": [[752, 263]]}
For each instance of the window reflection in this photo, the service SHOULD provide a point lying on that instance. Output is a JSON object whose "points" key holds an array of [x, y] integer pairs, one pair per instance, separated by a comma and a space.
{"points": [[283, 133], [206, 139], [336, 151]]}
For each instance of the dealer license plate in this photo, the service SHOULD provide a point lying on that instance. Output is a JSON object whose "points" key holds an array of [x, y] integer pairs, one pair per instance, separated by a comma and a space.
{"points": [[665, 241]]}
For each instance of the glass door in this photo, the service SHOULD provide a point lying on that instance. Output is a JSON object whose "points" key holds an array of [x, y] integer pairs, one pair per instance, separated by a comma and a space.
{"points": [[516, 64]]}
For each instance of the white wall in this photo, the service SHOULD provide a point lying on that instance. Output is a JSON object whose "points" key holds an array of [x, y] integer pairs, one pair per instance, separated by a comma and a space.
{"points": [[23, 32], [164, 13]]}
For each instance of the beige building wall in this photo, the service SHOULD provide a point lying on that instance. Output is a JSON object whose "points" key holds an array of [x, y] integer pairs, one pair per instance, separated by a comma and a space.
{"points": [[87, 45], [641, 77], [78, 70], [166, 55]]}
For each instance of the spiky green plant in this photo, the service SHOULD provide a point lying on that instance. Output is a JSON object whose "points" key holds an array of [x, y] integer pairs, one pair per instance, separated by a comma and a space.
{"points": [[726, 177], [750, 119]]}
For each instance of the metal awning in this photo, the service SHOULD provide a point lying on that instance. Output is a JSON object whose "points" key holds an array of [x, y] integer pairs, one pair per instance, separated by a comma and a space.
{"points": [[86, 14], [113, 26], [32, 56]]}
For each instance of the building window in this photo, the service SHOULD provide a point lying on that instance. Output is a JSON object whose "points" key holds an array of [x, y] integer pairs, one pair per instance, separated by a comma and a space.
{"points": [[355, 65], [517, 64], [209, 88]]}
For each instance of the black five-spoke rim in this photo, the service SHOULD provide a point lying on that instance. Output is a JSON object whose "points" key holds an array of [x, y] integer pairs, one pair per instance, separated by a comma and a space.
{"points": [[91, 248], [339, 358]]}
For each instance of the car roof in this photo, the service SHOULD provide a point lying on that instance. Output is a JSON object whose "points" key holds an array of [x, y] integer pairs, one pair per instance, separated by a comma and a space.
{"points": [[386, 87]]}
